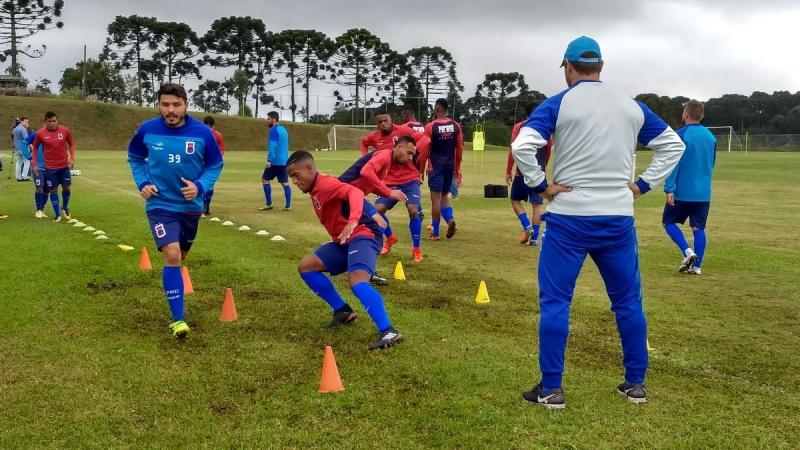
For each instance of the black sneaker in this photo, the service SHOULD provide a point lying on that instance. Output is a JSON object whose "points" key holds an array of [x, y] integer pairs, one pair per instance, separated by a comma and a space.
{"points": [[635, 392], [388, 338], [553, 400], [343, 316], [451, 229], [378, 281]]}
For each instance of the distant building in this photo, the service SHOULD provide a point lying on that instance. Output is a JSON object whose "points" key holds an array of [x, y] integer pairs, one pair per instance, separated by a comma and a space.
{"points": [[11, 82]]}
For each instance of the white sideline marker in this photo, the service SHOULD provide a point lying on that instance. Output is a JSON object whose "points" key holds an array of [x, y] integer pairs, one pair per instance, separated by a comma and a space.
{"points": [[89, 229], [227, 223], [262, 233], [244, 228], [215, 219], [99, 232], [79, 225], [277, 237], [101, 237]]}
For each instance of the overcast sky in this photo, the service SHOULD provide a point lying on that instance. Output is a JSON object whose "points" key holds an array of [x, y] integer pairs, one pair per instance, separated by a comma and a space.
{"points": [[698, 49]]}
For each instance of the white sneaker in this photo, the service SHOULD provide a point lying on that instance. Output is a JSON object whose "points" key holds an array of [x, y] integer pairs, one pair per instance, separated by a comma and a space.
{"points": [[688, 261], [694, 271], [38, 214]]}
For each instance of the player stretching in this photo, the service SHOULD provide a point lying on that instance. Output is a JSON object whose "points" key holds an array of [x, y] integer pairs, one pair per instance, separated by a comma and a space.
{"points": [[209, 122], [409, 118], [59, 158], [354, 247], [447, 146], [174, 160], [275, 166], [520, 192], [688, 188]]}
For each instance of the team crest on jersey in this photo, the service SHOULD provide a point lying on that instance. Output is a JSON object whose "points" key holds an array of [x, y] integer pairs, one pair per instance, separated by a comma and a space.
{"points": [[160, 230], [317, 204], [60, 136], [190, 145]]}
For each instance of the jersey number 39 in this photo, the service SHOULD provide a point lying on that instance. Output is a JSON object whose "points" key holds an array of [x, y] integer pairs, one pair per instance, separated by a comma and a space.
{"points": [[174, 159]]}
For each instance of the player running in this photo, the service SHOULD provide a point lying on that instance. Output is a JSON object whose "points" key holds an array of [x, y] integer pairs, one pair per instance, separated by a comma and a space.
{"points": [[447, 146], [520, 192], [59, 158], [688, 188], [209, 122], [354, 247], [39, 179], [175, 160], [409, 118], [275, 167]]}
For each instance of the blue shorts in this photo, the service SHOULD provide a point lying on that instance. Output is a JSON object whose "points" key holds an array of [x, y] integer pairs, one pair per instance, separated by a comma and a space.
{"points": [[57, 177], [169, 227], [411, 189], [359, 254], [275, 171], [40, 181], [520, 192], [441, 180], [696, 212]]}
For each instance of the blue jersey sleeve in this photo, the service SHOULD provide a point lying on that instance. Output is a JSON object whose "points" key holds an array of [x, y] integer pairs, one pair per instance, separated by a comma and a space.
{"points": [[274, 138], [283, 154], [212, 166], [24, 146], [137, 159]]}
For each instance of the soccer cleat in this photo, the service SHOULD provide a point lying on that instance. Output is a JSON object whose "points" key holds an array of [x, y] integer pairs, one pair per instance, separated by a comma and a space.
{"points": [[287, 208], [534, 243], [635, 392], [525, 237], [39, 214], [694, 270], [417, 254], [3, 216], [429, 228], [65, 213], [57, 219], [387, 246], [266, 208], [179, 329], [434, 238], [451, 229], [553, 400], [688, 261], [378, 281], [344, 316], [387, 338]]}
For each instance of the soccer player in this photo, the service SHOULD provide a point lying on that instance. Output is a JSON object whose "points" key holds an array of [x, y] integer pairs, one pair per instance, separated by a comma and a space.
{"points": [[174, 159], [520, 192], [18, 134], [354, 247], [40, 181], [409, 118], [209, 122], [59, 158], [447, 146], [688, 188], [277, 154], [591, 209]]}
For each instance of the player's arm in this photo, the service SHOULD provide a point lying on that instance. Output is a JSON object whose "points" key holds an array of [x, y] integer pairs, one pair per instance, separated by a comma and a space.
{"points": [[220, 142], [71, 144], [25, 147], [283, 136], [509, 166], [34, 155], [459, 153], [532, 136], [366, 142], [355, 198], [423, 154], [137, 159], [667, 149], [372, 168]]}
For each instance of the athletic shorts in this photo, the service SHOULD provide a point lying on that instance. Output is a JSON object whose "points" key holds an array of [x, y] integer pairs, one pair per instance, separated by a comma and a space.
{"points": [[520, 192], [272, 172], [57, 177], [169, 227], [412, 190], [696, 212], [361, 253], [440, 180], [40, 181]]}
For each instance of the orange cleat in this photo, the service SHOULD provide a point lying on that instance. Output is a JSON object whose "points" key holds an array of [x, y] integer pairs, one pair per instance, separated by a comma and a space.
{"points": [[387, 246], [417, 253], [429, 228], [525, 237]]}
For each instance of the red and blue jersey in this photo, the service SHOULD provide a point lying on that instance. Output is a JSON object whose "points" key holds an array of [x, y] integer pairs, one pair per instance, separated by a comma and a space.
{"points": [[447, 144], [59, 147], [416, 126], [368, 173], [337, 203], [385, 141]]}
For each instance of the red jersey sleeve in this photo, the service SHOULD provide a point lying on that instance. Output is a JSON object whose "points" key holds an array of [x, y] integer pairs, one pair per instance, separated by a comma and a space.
{"points": [[514, 134], [366, 142], [459, 148], [355, 198], [372, 170], [71, 142], [220, 142]]}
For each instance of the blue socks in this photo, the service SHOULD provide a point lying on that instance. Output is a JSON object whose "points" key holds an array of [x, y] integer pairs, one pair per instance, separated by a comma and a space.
{"points": [[675, 233], [323, 287], [373, 303], [207, 201], [415, 227], [54, 202], [447, 214], [268, 193], [388, 230], [287, 192], [173, 289], [523, 220], [699, 246], [65, 195], [535, 232], [435, 224]]}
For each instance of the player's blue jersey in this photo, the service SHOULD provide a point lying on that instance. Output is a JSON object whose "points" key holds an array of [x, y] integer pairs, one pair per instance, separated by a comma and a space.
{"points": [[278, 152], [691, 179], [159, 154], [354, 172], [24, 149]]}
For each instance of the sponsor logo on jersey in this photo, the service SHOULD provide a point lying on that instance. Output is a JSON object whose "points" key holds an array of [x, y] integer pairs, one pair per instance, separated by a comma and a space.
{"points": [[158, 146]]}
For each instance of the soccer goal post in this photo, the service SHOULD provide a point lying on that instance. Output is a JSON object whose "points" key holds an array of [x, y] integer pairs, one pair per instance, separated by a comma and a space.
{"points": [[347, 137], [727, 139]]}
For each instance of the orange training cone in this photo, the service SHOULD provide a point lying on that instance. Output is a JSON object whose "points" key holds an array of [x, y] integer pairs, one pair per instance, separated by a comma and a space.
{"points": [[330, 381], [144, 260], [187, 282], [228, 313]]}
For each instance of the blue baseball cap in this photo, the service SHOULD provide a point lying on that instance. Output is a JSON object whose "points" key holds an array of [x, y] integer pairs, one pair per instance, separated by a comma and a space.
{"points": [[578, 47]]}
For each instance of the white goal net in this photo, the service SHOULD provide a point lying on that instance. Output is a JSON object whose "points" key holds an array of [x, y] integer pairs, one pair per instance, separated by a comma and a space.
{"points": [[347, 137]]}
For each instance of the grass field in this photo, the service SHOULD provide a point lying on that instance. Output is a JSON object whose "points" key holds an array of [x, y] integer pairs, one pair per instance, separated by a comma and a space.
{"points": [[86, 360]]}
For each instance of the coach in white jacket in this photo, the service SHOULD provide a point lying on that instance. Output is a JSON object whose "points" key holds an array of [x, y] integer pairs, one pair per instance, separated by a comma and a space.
{"points": [[594, 130]]}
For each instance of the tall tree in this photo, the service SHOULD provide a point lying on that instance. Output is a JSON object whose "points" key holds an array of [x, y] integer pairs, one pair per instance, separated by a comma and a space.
{"points": [[175, 46], [501, 95], [102, 79], [262, 68], [21, 19], [301, 56], [397, 68], [358, 64], [435, 69], [211, 96], [128, 45]]}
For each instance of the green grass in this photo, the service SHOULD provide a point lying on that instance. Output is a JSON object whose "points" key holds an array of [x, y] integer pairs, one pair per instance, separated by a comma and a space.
{"points": [[86, 360]]}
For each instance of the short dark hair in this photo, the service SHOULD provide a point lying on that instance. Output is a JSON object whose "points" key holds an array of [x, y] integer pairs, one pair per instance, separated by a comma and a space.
{"points": [[695, 109], [410, 109], [587, 68], [21, 118], [530, 107], [49, 115], [381, 112], [405, 139], [274, 115], [173, 89], [298, 156], [443, 103], [209, 121]]}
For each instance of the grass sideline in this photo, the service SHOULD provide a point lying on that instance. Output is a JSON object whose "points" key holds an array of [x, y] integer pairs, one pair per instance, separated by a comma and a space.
{"points": [[86, 360]]}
